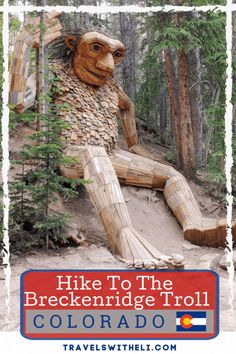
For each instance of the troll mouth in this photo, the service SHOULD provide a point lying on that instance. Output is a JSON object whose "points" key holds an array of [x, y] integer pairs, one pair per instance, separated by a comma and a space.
{"points": [[102, 77]]}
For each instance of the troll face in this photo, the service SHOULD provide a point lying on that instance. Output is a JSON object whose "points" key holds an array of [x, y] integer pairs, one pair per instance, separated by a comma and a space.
{"points": [[95, 57]]}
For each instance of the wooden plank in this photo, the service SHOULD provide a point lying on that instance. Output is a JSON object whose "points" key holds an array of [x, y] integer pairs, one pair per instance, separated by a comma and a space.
{"points": [[116, 214]]}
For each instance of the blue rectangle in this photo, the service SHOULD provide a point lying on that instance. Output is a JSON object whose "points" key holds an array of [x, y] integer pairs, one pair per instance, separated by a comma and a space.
{"points": [[197, 314], [199, 328]]}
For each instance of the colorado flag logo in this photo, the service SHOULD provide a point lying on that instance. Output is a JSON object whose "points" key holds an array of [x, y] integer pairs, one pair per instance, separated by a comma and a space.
{"points": [[191, 321]]}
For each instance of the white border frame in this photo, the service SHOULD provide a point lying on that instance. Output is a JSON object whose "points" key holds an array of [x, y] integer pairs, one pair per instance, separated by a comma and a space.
{"points": [[6, 9]]}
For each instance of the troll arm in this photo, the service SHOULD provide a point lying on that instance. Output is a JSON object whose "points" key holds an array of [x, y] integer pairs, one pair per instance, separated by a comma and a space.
{"points": [[127, 115], [22, 86]]}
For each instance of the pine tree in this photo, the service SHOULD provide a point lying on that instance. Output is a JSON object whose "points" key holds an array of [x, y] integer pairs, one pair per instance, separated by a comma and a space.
{"points": [[21, 207], [33, 190]]}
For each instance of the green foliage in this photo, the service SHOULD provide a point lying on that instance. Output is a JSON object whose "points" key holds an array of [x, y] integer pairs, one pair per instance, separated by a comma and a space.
{"points": [[53, 225], [176, 38], [148, 93], [14, 25], [191, 30], [42, 27], [34, 189], [171, 155], [209, 28], [217, 150], [21, 207], [151, 78]]}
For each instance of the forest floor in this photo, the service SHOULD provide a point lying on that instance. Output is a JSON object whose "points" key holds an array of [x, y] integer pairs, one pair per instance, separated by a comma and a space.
{"points": [[150, 216]]}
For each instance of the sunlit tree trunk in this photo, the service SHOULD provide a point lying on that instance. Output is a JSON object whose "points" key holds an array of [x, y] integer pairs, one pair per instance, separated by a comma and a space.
{"points": [[174, 103], [186, 131], [188, 155]]}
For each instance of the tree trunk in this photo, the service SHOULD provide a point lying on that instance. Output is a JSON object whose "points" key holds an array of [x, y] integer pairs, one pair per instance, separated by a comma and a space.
{"points": [[84, 16], [128, 37], [41, 88], [186, 132], [173, 92], [151, 97], [41, 63], [188, 154], [175, 112], [163, 114], [196, 103]]}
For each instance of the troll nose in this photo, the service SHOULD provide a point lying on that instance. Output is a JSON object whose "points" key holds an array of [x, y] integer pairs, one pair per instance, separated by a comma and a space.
{"points": [[106, 62]]}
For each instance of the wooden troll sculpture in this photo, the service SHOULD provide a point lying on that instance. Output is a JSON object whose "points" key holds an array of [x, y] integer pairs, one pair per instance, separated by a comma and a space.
{"points": [[86, 74]]}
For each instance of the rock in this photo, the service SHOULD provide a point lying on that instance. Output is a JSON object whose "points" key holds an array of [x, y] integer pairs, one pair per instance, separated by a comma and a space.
{"points": [[189, 246], [224, 264], [72, 232]]}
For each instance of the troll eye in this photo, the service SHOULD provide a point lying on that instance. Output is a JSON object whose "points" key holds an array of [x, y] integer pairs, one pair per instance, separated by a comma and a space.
{"points": [[96, 47], [117, 54]]}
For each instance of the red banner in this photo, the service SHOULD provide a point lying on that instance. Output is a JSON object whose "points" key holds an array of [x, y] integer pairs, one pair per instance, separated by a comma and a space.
{"points": [[119, 304]]}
